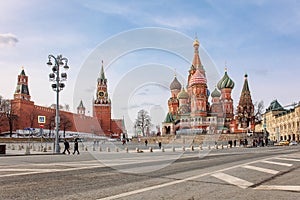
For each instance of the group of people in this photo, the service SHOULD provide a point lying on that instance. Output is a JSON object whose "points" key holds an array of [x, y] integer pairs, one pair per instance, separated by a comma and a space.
{"points": [[67, 147]]}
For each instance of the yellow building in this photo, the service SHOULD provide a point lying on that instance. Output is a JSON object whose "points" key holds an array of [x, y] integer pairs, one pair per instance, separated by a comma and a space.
{"points": [[281, 123]]}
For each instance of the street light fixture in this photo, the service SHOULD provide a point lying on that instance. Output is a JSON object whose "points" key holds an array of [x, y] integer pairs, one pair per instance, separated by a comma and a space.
{"points": [[57, 86]]}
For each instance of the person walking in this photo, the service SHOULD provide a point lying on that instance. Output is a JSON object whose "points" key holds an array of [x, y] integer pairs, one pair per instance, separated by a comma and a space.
{"points": [[159, 144], [146, 142], [76, 146], [67, 147]]}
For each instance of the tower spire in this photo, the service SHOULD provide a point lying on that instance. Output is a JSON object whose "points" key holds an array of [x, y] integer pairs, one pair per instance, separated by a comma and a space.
{"points": [[196, 61], [246, 86], [102, 75]]}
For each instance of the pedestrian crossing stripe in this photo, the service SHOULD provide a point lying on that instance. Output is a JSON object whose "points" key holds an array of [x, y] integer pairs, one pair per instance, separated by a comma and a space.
{"points": [[233, 180]]}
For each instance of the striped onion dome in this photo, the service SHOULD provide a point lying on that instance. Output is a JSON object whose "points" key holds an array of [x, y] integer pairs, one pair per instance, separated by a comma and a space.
{"points": [[197, 78], [183, 94], [215, 93], [175, 85], [225, 82]]}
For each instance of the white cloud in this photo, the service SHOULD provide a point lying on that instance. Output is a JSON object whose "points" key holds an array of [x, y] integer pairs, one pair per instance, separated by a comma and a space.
{"points": [[8, 39]]}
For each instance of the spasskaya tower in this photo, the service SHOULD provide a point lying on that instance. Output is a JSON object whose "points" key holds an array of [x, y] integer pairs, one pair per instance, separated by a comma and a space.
{"points": [[102, 104]]}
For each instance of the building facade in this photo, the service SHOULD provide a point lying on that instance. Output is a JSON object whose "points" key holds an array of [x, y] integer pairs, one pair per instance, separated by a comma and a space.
{"points": [[100, 123], [281, 123], [189, 109]]}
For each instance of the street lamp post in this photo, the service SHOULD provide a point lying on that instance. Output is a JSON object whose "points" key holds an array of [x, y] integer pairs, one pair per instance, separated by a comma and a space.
{"points": [[57, 86]]}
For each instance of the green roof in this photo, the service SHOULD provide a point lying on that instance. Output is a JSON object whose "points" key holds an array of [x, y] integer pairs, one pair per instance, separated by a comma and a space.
{"points": [[81, 104], [275, 105], [169, 118], [23, 73]]}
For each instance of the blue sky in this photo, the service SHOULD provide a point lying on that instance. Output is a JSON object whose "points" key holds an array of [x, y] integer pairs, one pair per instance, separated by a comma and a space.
{"points": [[257, 37]]}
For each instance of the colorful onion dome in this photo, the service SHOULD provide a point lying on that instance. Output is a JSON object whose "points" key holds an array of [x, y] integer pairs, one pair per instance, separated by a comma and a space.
{"points": [[225, 82], [215, 93], [183, 94], [175, 85], [198, 78]]}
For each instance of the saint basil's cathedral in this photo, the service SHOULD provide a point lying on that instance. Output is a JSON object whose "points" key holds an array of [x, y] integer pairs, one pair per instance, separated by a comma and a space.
{"points": [[189, 109]]}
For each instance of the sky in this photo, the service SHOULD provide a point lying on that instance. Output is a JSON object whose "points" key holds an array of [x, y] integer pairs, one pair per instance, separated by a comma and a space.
{"points": [[143, 43]]}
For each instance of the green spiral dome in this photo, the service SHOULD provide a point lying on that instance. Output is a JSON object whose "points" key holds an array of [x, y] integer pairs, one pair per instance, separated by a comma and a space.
{"points": [[225, 82]]}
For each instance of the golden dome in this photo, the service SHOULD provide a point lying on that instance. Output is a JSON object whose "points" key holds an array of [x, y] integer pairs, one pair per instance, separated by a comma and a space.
{"points": [[196, 42]]}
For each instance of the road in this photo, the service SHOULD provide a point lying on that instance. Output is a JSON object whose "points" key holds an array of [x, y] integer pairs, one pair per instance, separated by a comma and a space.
{"points": [[237, 173]]}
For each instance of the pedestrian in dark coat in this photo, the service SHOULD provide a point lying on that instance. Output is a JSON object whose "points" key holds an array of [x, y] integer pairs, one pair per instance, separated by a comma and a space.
{"points": [[76, 146], [67, 147], [159, 145]]}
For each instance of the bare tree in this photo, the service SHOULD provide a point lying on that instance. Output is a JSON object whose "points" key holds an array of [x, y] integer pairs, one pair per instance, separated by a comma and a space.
{"points": [[258, 111], [2, 113], [67, 107], [53, 106], [8, 114], [32, 117], [51, 123], [65, 123], [143, 121]]}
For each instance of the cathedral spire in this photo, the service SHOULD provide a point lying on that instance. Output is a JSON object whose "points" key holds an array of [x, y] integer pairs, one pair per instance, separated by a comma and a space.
{"points": [[246, 86], [196, 61]]}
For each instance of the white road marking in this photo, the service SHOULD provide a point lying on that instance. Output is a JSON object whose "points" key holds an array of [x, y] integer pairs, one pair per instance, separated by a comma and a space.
{"points": [[233, 180], [277, 163], [288, 159], [48, 170], [294, 188], [142, 190], [293, 155], [125, 194], [21, 170], [270, 171]]}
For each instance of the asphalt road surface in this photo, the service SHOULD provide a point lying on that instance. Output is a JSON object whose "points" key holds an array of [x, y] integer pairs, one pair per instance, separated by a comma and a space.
{"points": [[238, 173]]}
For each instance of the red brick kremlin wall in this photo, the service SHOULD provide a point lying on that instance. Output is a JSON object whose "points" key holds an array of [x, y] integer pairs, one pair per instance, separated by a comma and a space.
{"points": [[28, 114]]}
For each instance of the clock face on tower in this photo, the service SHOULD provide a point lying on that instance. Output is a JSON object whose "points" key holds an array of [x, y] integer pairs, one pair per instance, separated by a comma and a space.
{"points": [[101, 94]]}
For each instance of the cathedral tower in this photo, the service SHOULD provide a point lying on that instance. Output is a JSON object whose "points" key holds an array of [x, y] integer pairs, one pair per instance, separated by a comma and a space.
{"points": [[245, 109], [199, 98], [216, 108], [196, 64], [225, 85], [173, 102], [183, 97]]}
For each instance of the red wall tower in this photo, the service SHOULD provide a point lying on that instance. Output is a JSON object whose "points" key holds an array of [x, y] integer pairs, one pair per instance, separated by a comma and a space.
{"points": [[102, 104]]}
